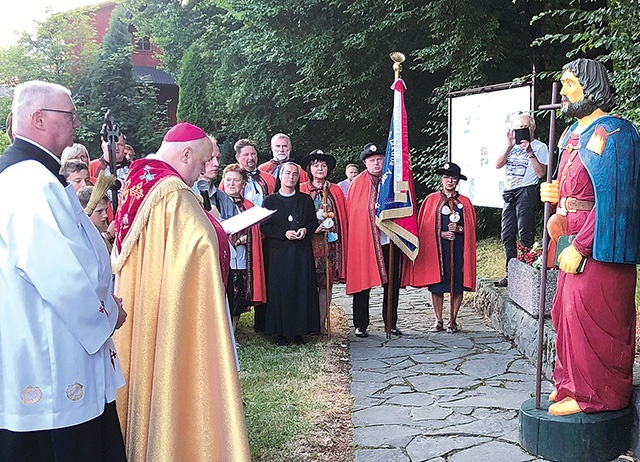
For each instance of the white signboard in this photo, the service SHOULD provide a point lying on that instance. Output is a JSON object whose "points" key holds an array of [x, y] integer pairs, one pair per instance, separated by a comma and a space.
{"points": [[478, 135]]}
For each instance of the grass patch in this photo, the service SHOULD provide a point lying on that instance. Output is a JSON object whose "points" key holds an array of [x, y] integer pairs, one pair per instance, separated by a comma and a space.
{"points": [[286, 404], [490, 256]]}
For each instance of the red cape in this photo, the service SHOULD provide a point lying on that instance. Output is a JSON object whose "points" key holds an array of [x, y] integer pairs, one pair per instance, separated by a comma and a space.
{"points": [[259, 286], [427, 267], [341, 212], [365, 265]]}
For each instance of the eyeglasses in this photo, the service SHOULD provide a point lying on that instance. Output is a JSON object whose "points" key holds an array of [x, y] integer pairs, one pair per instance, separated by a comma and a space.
{"points": [[74, 117]]}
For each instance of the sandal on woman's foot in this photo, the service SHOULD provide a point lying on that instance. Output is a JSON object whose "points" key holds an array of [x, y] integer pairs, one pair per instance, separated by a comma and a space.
{"points": [[438, 327], [452, 328]]}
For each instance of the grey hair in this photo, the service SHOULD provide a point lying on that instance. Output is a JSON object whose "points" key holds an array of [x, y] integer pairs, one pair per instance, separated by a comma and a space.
{"points": [[70, 152], [28, 96], [281, 135]]}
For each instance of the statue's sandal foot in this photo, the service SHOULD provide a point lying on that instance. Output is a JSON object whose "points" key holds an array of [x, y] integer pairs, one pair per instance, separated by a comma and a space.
{"points": [[567, 406]]}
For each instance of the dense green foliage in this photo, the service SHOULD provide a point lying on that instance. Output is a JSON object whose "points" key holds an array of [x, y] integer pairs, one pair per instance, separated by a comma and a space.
{"points": [[319, 70], [64, 50]]}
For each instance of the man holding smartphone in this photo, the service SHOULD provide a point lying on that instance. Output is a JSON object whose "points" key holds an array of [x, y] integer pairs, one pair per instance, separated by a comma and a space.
{"points": [[526, 161]]}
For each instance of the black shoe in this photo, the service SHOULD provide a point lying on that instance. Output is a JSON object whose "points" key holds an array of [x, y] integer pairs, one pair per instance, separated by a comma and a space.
{"points": [[298, 339], [361, 333], [281, 340], [501, 283], [396, 331]]}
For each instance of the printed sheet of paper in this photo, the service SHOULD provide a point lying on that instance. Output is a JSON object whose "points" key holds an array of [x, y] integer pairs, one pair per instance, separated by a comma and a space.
{"points": [[246, 219]]}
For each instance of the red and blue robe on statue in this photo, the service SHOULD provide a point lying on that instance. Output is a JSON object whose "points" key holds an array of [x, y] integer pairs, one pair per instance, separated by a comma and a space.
{"points": [[594, 311]]}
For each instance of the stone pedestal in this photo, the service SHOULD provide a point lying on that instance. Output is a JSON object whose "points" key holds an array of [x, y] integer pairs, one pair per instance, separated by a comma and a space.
{"points": [[524, 286], [580, 437]]}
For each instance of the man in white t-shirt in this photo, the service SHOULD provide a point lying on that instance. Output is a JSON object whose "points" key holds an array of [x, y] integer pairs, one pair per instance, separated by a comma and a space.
{"points": [[526, 163]]}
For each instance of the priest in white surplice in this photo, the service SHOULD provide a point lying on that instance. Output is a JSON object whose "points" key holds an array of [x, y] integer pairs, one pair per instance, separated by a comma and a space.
{"points": [[58, 366]]}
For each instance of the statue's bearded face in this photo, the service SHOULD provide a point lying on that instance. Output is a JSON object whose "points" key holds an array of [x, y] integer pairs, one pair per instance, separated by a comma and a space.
{"points": [[574, 104]]}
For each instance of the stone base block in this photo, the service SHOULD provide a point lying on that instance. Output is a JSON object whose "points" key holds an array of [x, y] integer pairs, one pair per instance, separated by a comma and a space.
{"points": [[525, 284], [580, 437]]}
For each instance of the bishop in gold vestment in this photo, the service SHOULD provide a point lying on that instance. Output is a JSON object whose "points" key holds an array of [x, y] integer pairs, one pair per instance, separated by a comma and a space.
{"points": [[182, 400]]}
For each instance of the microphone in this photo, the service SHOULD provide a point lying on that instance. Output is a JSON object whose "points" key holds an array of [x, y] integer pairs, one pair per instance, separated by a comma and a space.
{"points": [[203, 187]]}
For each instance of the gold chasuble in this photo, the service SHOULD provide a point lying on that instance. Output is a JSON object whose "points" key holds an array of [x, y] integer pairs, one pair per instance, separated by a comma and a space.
{"points": [[182, 400]]}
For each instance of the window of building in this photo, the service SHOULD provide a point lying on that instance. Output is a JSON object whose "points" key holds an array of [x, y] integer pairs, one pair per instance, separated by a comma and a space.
{"points": [[143, 44]]}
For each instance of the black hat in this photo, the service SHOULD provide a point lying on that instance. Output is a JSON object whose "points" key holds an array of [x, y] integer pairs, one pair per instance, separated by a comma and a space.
{"points": [[451, 169], [370, 149], [318, 154]]}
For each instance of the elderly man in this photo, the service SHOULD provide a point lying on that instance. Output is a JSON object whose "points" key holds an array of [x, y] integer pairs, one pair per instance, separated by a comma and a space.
{"points": [[598, 209], [219, 199], [526, 163], [102, 164], [58, 364], [281, 150], [182, 399], [368, 246]]}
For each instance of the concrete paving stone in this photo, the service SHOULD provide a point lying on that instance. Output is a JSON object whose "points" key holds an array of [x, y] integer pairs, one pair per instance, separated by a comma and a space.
{"points": [[381, 415], [412, 399], [522, 366], [491, 451], [400, 363], [362, 389], [384, 436], [394, 390], [424, 448], [493, 426], [380, 455], [447, 357], [457, 340], [368, 364], [433, 412], [433, 368], [365, 402], [428, 382], [365, 375], [417, 340], [490, 397], [485, 366], [389, 352], [430, 427]]}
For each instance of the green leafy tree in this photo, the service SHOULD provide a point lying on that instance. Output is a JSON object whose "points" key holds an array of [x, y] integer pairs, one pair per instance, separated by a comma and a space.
{"points": [[111, 85]]}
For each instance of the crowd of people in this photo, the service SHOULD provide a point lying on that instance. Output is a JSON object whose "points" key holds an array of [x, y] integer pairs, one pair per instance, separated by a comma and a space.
{"points": [[134, 367]]}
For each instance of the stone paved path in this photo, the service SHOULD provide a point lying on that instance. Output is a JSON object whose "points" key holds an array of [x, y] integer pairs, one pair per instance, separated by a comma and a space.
{"points": [[435, 396]]}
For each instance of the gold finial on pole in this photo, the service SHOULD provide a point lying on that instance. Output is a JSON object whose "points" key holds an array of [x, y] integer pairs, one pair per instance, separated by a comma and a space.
{"points": [[397, 58]]}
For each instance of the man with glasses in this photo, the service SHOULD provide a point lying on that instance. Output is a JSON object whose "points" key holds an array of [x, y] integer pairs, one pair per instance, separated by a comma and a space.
{"points": [[58, 365], [526, 162]]}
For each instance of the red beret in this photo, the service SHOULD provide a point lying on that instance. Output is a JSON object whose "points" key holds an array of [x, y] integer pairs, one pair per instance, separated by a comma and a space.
{"points": [[183, 132]]}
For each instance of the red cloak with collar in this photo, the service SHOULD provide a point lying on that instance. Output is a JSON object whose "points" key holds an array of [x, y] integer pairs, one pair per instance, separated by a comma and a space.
{"points": [[257, 283], [427, 267], [365, 263]]}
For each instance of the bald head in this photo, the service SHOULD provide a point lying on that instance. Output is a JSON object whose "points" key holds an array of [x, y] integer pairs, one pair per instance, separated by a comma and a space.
{"points": [[43, 112], [188, 158]]}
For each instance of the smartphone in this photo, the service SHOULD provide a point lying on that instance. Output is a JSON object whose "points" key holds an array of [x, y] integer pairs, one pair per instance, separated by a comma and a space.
{"points": [[522, 134]]}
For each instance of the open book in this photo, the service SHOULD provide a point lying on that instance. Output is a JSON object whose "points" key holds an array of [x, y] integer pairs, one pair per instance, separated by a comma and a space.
{"points": [[244, 220]]}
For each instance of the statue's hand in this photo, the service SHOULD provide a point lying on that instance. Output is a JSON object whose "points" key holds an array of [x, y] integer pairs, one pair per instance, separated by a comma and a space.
{"points": [[549, 192], [569, 260]]}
